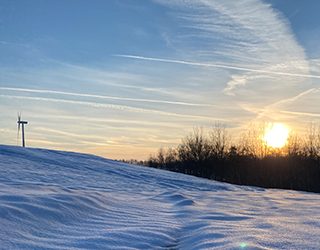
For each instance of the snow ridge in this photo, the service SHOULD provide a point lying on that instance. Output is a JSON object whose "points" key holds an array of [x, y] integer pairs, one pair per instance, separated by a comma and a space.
{"points": [[63, 200]]}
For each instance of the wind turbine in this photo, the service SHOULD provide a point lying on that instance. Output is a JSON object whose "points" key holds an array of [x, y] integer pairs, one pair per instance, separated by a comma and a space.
{"points": [[22, 123]]}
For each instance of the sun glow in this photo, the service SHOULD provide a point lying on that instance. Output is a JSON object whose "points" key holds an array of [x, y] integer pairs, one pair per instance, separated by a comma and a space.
{"points": [[276, 135]]}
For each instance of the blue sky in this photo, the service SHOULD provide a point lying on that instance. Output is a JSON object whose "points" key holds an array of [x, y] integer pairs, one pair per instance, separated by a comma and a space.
{"points": [[123, 78]]}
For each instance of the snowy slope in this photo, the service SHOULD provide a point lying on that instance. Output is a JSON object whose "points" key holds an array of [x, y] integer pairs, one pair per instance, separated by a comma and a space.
{"points": [[63, 200]]}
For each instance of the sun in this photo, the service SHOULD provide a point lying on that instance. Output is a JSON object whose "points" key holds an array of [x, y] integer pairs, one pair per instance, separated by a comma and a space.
{"points": [[276, 135]]}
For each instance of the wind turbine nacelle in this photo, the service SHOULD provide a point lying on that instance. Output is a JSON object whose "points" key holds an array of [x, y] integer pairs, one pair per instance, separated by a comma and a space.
{"points": [[22, 122]]}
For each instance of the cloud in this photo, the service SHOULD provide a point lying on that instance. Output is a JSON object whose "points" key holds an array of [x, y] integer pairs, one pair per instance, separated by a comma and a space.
{"points": [[104, 96], [273, 110], [268, 69], [109, 106], [222, 66], [301, 113], [247, 36], [232, 61], [237, 81]]}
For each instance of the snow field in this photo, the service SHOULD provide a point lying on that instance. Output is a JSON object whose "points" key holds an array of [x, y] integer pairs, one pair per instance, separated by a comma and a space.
{"points": [[63, 200]]}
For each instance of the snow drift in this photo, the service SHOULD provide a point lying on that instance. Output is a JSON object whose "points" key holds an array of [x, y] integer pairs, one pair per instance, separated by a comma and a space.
{"points": [[63, 200]]}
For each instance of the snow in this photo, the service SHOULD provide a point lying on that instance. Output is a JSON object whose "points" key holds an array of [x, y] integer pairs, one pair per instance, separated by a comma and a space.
{"points": [[63, 200]]}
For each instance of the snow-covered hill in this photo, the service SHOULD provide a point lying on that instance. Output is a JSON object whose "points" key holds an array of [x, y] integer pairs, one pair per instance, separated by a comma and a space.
{"points": [[62, 200]]}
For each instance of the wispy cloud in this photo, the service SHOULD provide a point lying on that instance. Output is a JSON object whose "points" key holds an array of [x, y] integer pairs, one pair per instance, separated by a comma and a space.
{"points": [[301, 113], [250, 39], [104, 97], [232, 61], [276, 109], [238, 68], [109, 106], [269, 72], [117, 123]]}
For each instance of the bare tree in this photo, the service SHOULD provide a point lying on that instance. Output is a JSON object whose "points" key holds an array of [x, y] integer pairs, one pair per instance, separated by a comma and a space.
{"points": [[161, 157], [312, 144], [294, 145], [195, 147], [171, 156], [251, 143], [219, 140]]}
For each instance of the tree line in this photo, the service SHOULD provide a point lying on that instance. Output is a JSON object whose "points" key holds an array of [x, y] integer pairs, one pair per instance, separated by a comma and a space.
{"points": [[215, 155]]}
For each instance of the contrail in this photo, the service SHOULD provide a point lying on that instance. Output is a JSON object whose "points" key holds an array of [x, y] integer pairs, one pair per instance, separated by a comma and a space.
{"points": [[44, 91], [223, 66], [110, 106], [300, 113], [137, 122]]}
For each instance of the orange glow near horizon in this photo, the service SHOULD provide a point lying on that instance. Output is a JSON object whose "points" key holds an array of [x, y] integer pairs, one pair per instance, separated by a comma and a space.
{"points": [[276, 135]]}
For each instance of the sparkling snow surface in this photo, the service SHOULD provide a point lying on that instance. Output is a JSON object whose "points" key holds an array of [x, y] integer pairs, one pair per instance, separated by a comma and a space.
{"points": [[62, 200]]}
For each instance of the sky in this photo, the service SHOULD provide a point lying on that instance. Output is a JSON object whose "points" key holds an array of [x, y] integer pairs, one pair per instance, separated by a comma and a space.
{"points": [[122, 78]]}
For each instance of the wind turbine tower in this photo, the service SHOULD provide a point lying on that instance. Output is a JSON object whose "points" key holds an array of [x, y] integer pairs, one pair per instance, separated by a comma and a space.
{"points": [[22, 123]]}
